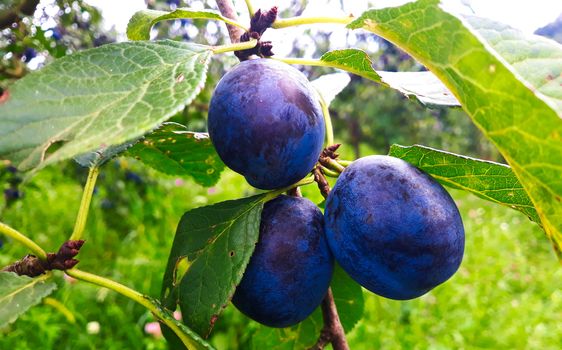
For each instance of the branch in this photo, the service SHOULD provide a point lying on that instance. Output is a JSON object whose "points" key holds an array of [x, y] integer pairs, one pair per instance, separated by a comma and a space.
{"points": [[332, 332], [12, 15], [227, 10]]}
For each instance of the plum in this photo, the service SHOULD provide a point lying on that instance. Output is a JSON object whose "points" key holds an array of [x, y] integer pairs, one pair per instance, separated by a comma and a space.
{"points": [[266, 123], [290, 271], [393, 228]]}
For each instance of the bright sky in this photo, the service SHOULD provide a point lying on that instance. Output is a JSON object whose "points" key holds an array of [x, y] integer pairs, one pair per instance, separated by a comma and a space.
{"points": [[525, 15]]}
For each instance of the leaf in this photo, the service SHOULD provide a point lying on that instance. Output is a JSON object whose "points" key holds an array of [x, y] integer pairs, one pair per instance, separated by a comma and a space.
{"points": [[330, 85], [103, 155], [194, 341], [489, 180], [526, 129], [98, 98], [352, 60], [19, 293], [173, 150], [424, 86], [537, 59], [216, 242], [140, 24], [348, 297]]}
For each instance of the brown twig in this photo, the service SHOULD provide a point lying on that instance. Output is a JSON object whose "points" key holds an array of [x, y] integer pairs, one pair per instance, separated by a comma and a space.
{"points": [[332, 331], [32, 266], [226, 7]]}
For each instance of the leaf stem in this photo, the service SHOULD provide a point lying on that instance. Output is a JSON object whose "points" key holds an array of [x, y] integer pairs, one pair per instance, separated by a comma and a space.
{"points": [[82, 216], [250, 7], [304, 61], [135, 296], [235, 47], [327, 120], [23, 239], [344, 163], [297, 21]]}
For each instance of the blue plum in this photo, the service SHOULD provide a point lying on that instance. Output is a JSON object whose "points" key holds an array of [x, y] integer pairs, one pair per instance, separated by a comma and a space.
{"points": [[393, 228], [291, 268], [266, 123]]}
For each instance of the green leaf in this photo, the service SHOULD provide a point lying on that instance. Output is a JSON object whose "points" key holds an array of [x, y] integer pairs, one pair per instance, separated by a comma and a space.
{"points": [[173, 150], [424, 86], [522, 123], [98, 98], [195, 342], [489, 180], [348, 297], [537, 59], [352, 60], [103, 155], [216, 242], [19, 293], [140, 24]]}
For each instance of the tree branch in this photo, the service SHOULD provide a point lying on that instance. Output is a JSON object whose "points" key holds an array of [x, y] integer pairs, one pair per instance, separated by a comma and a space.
{"points": [[226, 7], [332, 332]]}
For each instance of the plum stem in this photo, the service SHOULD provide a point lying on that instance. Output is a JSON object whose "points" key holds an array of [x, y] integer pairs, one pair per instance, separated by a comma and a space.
{"points": [[333, 331], [82, 216], [226, 7], [297, 21]]}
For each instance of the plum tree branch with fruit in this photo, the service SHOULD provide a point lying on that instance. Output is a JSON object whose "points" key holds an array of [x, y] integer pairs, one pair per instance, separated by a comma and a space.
{"points": [[388, 224]]}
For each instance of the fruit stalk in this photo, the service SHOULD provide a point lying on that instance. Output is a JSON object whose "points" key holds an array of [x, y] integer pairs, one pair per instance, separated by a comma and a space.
{"points": [[332, 331]]}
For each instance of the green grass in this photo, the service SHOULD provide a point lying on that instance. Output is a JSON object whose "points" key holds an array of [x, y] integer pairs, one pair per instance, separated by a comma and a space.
{"points": [[506, 295]]}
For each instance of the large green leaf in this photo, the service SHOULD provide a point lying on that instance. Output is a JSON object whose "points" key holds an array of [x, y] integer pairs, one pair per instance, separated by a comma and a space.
{"points": [[537, 59], [19, 293], [424, 86], [140, 24], [98, 98], [489, 180], [348, 297], [211, 250], [173, 150], [523, 124]]}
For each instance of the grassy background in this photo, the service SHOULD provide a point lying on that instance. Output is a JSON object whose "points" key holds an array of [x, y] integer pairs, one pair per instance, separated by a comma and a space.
{"points": [[506, 295]]}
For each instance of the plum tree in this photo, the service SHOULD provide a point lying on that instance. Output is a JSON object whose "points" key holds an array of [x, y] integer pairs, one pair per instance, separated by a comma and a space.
{"points": [[266, 123], [291, 268], [393, 228]]}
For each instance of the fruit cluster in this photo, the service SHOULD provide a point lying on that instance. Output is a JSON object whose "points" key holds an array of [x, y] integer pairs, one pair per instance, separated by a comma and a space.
{"points": [[390, 226]]}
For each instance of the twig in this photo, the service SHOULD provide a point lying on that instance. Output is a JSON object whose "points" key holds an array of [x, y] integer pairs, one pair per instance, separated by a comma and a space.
{"points": [[332, 332], [227, 10], [33, 266]]}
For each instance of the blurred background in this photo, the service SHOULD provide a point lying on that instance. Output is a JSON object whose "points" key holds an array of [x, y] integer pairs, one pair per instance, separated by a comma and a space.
{"points": [[506, 295]]}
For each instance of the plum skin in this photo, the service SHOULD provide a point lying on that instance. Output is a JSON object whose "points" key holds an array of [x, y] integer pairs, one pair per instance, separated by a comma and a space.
{"points": [[393, 228], [266, 123], [291, 268]]}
